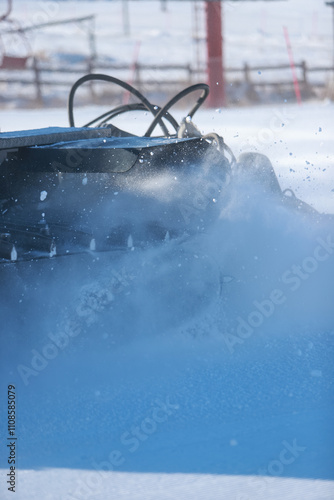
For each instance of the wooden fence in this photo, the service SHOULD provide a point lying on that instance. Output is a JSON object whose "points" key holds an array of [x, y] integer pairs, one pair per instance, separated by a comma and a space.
{"points": [[164, 78]]}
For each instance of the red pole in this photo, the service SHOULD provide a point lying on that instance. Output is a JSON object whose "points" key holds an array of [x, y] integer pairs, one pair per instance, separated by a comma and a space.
{"points": [[213, 10], [292, 65]]}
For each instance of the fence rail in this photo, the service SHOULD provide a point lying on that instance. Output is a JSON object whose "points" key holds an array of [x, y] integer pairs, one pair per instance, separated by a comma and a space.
{"points": [[162, 77]]}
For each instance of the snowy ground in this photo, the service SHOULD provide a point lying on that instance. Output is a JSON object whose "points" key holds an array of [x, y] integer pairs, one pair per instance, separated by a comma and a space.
{"points": [[151, 401]]}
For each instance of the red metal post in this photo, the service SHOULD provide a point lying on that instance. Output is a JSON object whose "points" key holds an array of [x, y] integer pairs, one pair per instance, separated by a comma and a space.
{"points": [[292, 65], [215, 66]]}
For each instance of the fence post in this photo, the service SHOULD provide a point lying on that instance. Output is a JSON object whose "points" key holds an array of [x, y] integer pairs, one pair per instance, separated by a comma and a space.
{"points": [[246, 73], [92, 43], [304, 71], [188, 67], [138, 76], [37, 80]]}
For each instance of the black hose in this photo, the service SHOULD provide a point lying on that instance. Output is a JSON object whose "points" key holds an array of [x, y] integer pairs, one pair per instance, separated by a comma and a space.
{"points": [[124, 85], [175, 99], [159, 113], [109, 115]]}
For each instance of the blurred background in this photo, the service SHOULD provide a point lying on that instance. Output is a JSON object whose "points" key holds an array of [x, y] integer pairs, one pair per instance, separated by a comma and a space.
{"points": [[260, 51]]}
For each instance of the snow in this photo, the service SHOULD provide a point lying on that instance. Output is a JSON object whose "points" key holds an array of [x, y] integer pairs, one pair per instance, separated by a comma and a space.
{"points": [[86, 424], [170, 486], [201, 374], [43, 195]]}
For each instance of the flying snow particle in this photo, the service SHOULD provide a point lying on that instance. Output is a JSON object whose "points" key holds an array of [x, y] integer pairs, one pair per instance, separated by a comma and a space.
{"points": [[43, 195], [13, 255], [130, 241]]}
